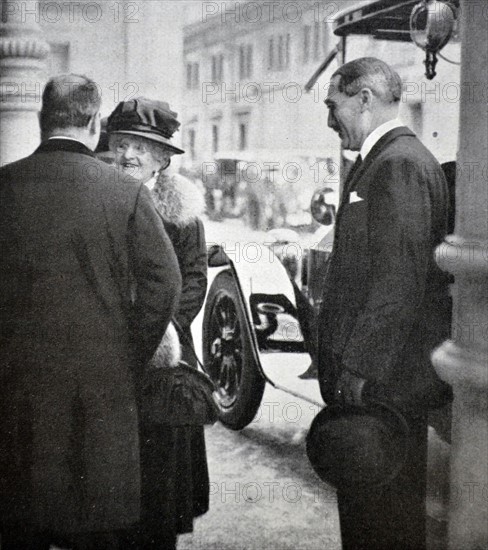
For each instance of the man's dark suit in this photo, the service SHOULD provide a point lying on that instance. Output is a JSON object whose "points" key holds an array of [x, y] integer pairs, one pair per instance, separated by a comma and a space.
{"points": [[75, 240], [385, 307]]}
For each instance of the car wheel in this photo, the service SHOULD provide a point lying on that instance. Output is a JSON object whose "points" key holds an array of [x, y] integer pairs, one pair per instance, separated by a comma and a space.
{"points": [[228, 355]]}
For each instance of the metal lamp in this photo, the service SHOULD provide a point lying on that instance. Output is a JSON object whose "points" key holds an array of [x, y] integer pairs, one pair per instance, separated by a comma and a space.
{"points": [[431, 26]]}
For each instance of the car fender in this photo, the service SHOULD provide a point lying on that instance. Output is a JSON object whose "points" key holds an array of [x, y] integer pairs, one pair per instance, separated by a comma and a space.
{"points": [[259, 275]]}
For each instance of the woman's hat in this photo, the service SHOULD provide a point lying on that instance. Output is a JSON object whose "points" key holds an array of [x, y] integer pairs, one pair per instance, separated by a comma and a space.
{"points": [[146, 118], [351, 447]]}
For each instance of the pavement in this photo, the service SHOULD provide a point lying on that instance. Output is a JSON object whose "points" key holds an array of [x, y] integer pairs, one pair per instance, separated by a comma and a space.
{"points": [[264, 495]]}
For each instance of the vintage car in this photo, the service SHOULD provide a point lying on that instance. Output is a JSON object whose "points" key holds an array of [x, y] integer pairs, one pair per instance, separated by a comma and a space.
{"points": [[268, 188], [258, 308]]}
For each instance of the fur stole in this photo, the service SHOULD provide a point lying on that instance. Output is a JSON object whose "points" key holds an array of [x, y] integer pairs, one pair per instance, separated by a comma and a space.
{"points": [[168, 353], [174, 393], [177, 199]]}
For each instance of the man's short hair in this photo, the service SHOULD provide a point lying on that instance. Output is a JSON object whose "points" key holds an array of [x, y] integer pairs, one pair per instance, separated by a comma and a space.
{"points": [[68, 101], [372, 73]]}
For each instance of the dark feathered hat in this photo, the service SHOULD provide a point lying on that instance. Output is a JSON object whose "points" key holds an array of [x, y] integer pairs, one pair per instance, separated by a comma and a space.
{"points": [[147, 118]]}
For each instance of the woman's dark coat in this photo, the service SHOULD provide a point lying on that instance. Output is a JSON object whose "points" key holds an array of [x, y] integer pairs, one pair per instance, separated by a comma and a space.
{"points": [[385, 302], [71, 339], [175, 480], [180, 204]]}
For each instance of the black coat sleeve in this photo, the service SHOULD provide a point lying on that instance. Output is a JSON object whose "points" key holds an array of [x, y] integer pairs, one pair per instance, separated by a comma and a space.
{"points": [[191, 251], [156, 274]]}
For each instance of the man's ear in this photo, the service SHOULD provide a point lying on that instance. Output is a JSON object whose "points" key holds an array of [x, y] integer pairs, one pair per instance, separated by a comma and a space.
{"points": [[366, 98], [166, 162]]}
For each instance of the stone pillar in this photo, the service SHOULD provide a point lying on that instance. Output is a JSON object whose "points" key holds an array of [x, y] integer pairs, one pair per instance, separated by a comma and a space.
{"points": [[463, 361], [22, 54]]}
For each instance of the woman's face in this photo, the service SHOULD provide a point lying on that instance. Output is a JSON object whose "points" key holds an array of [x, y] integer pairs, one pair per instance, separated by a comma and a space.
{"points": [[133, 156]]}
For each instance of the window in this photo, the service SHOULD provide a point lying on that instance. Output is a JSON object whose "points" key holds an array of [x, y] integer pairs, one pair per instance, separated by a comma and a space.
{"points": [[215, 138], [191, 142], [249, 64], [281, 51], [245, 61], [287, 50], [242, 62], [217, 68], [325, 38], [58, 59], [316, 40], [242, 136], [271, 60], [189, 70], [192, 76], [307, 31], [279, 59]]}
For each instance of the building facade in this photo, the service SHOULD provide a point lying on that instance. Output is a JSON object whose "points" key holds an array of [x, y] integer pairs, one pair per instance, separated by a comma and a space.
{"points": [[245, 69], [245, 72], [107, 41]]}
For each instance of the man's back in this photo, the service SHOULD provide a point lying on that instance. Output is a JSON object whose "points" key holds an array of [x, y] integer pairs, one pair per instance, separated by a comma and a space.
{"points": [[65, 217], [75, 240]]}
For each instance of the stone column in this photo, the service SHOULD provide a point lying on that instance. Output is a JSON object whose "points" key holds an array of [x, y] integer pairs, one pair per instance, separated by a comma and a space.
{"points": [[463, 361], [22, 54]]}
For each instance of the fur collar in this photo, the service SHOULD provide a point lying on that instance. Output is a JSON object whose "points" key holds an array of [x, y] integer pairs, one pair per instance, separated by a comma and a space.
{"points": [[177, 199]]}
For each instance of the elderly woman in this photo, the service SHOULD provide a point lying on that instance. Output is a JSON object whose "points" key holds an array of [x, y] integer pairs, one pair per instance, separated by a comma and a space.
{"points": [[175, 483]]}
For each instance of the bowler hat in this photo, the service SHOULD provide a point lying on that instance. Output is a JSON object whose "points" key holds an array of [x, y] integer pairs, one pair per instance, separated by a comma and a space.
{"points": [[146, 118], [351, 447]]}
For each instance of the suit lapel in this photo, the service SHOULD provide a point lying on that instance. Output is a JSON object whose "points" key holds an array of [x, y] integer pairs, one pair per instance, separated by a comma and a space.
{"points": [[359, 183], [355, 180]]}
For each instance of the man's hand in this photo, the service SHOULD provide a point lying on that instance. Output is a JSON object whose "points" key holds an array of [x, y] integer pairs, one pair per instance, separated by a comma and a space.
{"points": [[349, 389]]}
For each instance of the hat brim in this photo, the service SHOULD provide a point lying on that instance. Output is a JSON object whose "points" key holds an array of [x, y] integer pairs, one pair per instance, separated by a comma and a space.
{"points": [[152, 137], [354, 447]]}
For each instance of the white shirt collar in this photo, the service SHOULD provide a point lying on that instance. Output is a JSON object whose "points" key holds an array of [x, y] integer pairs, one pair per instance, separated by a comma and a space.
{"points": [[64, 137], [377, 134]]}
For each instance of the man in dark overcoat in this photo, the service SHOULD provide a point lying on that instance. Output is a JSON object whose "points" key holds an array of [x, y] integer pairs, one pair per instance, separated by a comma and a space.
{"points": [[89, 281], [385, 303]]}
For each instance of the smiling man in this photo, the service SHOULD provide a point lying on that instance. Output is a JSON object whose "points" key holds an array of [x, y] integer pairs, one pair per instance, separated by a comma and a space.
{"points": [[350, 110], [385, 301]]}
